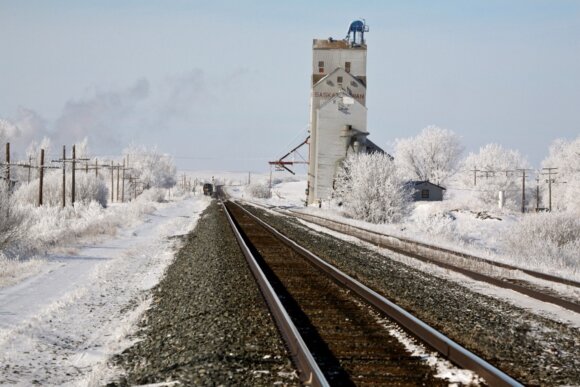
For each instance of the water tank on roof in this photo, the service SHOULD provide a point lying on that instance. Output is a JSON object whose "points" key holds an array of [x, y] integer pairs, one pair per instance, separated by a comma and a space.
{"points": [[356, 32]]}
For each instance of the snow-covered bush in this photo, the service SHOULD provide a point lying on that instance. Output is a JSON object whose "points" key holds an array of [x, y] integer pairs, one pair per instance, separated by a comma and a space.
{"points": [[546, 239], [87, 188], [12, 218], [498, 171], [432, 155], [435, 220], [151, 167], [369, 187], [284, 179], [259, 190], [564, 155], [156, 195]]}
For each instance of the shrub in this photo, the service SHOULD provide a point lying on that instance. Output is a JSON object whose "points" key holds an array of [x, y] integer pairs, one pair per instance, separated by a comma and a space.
{"points": [[259, 190], [12, 218], [546, 239]]}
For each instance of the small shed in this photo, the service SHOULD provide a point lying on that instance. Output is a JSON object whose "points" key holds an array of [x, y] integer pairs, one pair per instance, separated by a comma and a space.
{"points": [[426, 191]]}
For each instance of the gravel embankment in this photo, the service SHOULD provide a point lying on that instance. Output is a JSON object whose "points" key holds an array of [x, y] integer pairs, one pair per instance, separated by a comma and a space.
{"points": [[533, 349], [208, 324]]}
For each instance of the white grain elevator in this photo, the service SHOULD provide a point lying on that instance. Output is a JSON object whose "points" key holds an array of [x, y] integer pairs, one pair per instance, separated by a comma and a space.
{"points": [[338, 113]]}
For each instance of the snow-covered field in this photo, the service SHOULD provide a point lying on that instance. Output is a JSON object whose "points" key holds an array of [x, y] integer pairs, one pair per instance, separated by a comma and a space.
{"points": [[63, 313]]}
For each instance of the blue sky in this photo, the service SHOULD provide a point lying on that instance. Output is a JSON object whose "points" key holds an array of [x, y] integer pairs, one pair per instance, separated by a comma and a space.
{"points": [[225, 85]]}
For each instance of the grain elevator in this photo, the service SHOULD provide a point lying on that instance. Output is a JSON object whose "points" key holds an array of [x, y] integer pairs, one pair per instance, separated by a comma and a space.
{"points": [[338, 113]]}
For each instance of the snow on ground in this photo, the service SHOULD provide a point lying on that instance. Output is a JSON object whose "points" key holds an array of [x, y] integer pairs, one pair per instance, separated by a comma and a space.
{"points": [[59, 325]]}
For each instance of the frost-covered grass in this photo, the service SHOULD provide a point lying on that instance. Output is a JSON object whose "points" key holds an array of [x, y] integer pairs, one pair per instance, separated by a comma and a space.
{"points": [[50, 228], [549, 240]]}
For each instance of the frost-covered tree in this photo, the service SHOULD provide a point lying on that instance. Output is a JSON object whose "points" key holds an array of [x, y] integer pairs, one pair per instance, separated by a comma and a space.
{"points": [[497, 168], [33, 150], [153, 169], [564, 155], [370, 188], [432, 155]]}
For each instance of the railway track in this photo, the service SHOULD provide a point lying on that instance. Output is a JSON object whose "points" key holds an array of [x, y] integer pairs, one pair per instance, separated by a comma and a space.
{"points": [[440, 257], [329, 320], [454, 261]]}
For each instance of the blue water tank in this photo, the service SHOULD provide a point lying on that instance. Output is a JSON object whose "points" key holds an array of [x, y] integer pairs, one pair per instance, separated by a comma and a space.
{"points": [[357, 26]]}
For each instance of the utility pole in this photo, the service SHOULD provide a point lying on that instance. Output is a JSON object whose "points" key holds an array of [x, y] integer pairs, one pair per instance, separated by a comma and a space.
{"points": [[63, 176], [537, 193], [523, 188], [123, 184], [112, 176], [475, 176], [72, 160], [28, 166], [550, 173], [8, 164], [73, 180], [41, 177], [118, 175]]}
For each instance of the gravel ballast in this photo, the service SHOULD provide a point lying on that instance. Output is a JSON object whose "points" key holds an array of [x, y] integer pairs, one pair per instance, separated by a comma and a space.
{"points": [[208, 324], [533, 349]]}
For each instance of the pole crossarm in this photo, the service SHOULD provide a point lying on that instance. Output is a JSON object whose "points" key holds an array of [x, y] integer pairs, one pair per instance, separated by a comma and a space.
{"points": [[281, 163]]}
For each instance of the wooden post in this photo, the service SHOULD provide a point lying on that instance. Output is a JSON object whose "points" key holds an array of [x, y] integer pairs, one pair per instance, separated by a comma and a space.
{"points": [[118, 173], [73, 182], [123, 184], [8, 164], [63, 176], [550, 192], [86, 167], [41, 177], [523, 191], [112, 178], [96, 168], [550, 173], [537, 194], [29, 167]]}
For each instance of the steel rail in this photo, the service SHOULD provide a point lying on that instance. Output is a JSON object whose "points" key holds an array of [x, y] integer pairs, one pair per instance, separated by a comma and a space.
{"points": [[310, 373], [532, 273], [441, 343], [382, 241]]}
